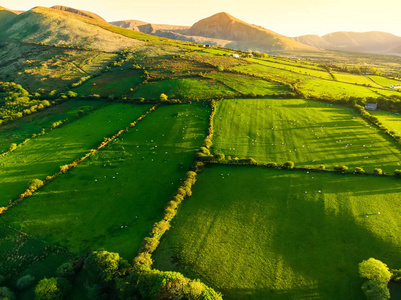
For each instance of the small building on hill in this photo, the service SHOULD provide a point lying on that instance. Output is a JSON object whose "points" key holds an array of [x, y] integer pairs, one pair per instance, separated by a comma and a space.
{"points": [[371, 106], [236, 55], [397, 86]]}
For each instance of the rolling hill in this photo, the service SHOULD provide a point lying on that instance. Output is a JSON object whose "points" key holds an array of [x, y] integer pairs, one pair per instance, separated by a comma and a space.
{"points": [[63, 28], [371, 42], [7, 15]]}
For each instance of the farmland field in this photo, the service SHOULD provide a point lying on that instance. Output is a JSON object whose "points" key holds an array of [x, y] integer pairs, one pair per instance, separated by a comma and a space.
{"points": [[356, 79], [112, 83], [249, 85], [44, 155], [24, 128], [256, 233], [334, 90], [302, 70], [390, 120], [111, 200], [384, 81], [187, 88], [306, 132]]}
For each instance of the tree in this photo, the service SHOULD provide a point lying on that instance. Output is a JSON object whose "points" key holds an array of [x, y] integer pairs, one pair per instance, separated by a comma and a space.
{"points": [[6, 293], [102, 265], [378, 171], [288, 165], [25, 282], [150, 244], [13, 146], [163, 98], [374, 269], [47, 289], [35, 184], [375, 290]]}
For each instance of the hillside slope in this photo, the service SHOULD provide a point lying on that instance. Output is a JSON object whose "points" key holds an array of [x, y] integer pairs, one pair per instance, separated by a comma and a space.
{"points": [[7, 15], [55, 27], [83, 13]]}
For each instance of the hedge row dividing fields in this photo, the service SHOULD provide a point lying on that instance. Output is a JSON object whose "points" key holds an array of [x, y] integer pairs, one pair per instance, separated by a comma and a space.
{"points": [[44, 155]]}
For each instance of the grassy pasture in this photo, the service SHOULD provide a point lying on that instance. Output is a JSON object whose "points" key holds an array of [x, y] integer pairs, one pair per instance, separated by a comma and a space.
{"points": [[383, 81], [44, 155], [293, 68], [358, 79], [48, 68], [272, 73], [214, 60], [127, 184], [21, 129], [306, 132], [249, 85], [390, 120], [184, 89], [255, 233], [116, 83], [334, 90]]}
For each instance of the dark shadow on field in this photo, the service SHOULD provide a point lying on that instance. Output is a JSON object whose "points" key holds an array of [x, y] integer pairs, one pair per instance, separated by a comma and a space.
{"points": [[316, 242]]}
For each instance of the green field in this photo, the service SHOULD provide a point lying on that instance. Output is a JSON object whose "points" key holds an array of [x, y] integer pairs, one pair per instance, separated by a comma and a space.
{"points": [[356, 79], [256, 233], [334, 90], [184, 89], [44, 155], [302, 70], [116, 83], [249, 85], [111, 201], [21, 129], [384, 81], [390, 120], [306, 132]]}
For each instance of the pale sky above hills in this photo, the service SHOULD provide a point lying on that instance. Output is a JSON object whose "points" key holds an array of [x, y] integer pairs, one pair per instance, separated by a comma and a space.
{"points": [[287, 17]]}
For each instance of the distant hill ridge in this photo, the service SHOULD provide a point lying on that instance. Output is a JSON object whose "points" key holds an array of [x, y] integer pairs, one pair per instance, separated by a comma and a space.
{"points": [[79, 12], [373, 41]]}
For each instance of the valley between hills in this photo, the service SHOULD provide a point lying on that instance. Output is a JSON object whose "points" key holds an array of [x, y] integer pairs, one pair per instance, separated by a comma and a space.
{"points": [[215, 161]]}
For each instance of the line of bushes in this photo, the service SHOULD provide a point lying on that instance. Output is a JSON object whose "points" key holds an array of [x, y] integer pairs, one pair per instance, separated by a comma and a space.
{"points": [[154, 284], [36, 184]]}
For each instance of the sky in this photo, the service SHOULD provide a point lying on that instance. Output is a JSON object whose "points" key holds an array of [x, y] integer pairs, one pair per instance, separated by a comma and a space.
{"points": [[287, 17]]}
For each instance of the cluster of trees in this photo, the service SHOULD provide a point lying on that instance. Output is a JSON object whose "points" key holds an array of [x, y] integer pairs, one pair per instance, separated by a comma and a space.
{"points": [[16, 102], [376, 275]]}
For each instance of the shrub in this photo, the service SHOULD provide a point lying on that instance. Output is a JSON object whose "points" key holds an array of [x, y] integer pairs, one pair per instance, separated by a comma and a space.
{"points": [[144, 259], [359, 170], [47, 289], [160, 228], [375, 290], [373, 269], [35, 184], [208, 143], [64, 169], [397, 173], [219, 157], [198, 166], [102, 265], [65, 270], [378, 171], [271, 165], [25, 282], [163, 98], [150, 245], [288, 165], [341, 169], [220, 68], [321, 167], [6, 293], [12, 147]]}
